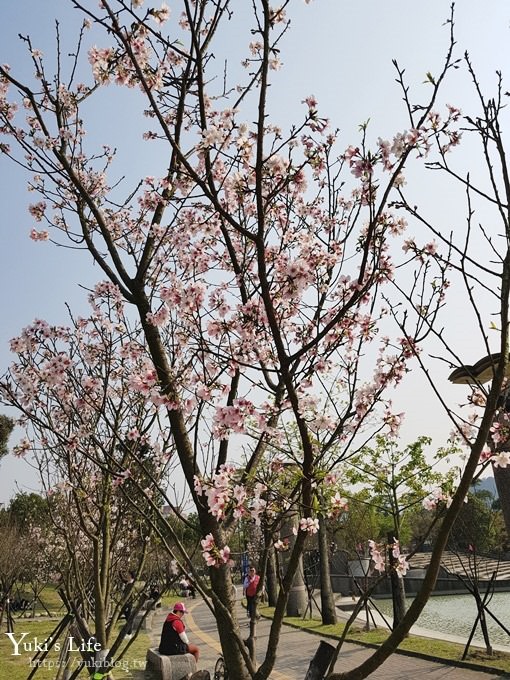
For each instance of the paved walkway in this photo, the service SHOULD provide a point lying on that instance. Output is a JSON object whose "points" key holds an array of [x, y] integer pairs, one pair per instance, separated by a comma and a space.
{"points": [[297, 647]]}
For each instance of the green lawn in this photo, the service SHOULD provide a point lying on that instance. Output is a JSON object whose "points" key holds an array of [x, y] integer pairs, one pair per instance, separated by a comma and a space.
{"points": [[49, 600], [18, 667], [436, 649]]}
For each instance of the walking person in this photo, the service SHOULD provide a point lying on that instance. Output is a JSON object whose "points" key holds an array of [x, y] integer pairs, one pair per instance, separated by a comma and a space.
{"points": [[251, 583]]}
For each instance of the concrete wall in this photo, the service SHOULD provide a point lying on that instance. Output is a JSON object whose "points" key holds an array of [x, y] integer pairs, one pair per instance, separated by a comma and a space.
{"points": [[445, 584]]}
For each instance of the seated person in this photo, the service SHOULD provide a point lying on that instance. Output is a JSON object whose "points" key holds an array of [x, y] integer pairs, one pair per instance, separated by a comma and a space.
{"points": [[173, 636], [184, 587], [154, 596]]}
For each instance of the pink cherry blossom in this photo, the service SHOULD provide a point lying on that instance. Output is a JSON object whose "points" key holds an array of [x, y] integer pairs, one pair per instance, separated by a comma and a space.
{"points": [[159, 318], [309, 525], [486, 454], [377, 555], [214, 556], [207, 543], [39, 235], [337, 505], [501, 459], [160, 15], [37, 210]]}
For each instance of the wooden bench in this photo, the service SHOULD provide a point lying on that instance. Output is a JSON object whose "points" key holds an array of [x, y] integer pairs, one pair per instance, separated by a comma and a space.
{"points": [[171, 667]]}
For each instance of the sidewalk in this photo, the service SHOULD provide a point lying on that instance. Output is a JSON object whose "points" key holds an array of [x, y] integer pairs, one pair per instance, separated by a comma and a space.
{"points": [[297, 647]]}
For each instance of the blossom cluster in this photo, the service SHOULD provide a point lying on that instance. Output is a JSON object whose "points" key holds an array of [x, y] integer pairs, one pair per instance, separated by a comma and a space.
{"points": [[496, 451], [309, 525], [214, 556], [224, 494], [401, 565], [435, 498], [377, 554]]}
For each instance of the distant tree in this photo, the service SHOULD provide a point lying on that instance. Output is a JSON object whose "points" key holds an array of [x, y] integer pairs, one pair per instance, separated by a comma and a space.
{"points": [[6, 427], [395, 481], [185, 529], [358, 525], [418, 533], [479, 525], [42, 566], [13, 556], [28, 509]]}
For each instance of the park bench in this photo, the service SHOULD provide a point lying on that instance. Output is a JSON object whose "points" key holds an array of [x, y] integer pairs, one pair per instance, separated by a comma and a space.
{"points": [[171, 667]]}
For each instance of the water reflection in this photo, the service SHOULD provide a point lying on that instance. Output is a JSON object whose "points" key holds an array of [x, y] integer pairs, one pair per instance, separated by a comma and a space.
{"points": [[456, 614]]}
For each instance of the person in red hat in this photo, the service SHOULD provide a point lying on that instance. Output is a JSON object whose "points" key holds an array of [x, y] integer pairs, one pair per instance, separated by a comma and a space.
{"points": [[173, 636]]}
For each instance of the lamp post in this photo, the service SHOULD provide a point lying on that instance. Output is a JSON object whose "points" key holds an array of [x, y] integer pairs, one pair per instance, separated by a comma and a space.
{"points": [[480, 372], [297, 602]]}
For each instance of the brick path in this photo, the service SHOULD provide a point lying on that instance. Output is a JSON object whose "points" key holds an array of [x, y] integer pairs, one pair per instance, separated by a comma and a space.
{"points": [[297, 647]]}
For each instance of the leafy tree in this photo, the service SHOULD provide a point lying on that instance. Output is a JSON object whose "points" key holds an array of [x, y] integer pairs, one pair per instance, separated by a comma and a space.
{"points": [[395, 481], [27, 509], [478, 525], [6, 427]]}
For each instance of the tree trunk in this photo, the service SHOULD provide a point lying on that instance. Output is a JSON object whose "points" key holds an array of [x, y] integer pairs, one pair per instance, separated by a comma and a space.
{"points": [[251, 642], [398, 595], [221, 585], [328, 610], [297, 600], [502, 479], [320, 662], [272, 580]]}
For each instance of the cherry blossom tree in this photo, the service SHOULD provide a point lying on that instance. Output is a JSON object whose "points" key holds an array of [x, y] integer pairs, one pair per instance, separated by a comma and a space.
{"points": [[101, 454], [253, 262], [477, 260], [15, 561], [25, 523]]}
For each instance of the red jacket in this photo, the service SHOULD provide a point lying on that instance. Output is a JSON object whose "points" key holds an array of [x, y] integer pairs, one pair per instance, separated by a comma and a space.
{"points": [[251, 588], [170, 642]]}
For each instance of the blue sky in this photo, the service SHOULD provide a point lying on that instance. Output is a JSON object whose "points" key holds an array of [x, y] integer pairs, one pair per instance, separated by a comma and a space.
{"points": [[341, 51]]}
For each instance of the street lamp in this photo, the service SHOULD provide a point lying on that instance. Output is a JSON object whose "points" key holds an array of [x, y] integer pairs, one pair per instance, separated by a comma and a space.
{"points": [[482, 372]]}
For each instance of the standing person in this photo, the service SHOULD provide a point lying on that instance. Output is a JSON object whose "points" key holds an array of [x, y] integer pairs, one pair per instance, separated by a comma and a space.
{"points": [[173, 636], [251, 583], [127, 588]]}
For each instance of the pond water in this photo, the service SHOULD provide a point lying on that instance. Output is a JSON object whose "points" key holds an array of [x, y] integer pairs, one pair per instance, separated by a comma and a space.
{"points": [[456, 614]]}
